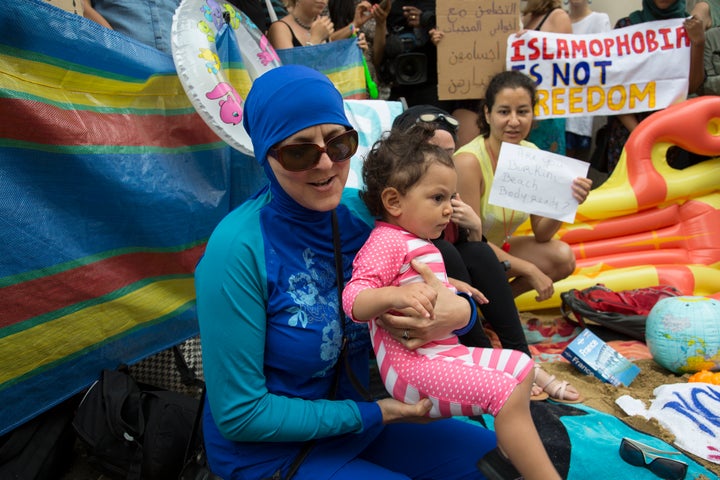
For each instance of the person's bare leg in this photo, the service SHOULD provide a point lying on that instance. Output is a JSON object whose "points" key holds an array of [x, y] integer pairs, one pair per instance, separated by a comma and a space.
{"points": [[519, 440]]}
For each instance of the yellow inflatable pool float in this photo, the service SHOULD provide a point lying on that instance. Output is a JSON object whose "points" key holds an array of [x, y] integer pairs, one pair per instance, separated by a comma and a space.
{"points": [[649, 223]]}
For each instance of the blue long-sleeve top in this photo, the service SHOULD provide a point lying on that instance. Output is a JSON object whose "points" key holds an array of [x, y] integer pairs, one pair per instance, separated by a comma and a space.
{"points": [[267, 307]]}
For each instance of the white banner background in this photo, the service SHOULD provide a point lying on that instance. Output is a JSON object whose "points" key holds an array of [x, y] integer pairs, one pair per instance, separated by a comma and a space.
{"points": [[639, 68]]}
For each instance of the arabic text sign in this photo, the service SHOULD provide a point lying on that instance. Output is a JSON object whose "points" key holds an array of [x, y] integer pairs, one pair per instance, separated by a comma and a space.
{"points": [[473, 48], [639, 68], [535, 181]]}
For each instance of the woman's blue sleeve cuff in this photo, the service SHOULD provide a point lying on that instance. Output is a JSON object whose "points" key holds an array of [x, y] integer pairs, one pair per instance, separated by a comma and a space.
{"points": [[370, 414], [473, 315]]}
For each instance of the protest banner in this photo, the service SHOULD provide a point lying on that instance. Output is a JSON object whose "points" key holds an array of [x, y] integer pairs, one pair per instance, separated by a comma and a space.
{"points": [[535, 181], [473, 48], [634, 69]]}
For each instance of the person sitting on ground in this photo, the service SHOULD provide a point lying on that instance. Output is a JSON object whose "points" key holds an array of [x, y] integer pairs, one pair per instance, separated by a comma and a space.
{"points": [[470, 259], [537, 260], [408, 185], [279, 354]]}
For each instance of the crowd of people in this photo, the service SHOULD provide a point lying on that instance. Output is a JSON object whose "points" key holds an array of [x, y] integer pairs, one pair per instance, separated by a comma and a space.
{"points": [[413, 268]]}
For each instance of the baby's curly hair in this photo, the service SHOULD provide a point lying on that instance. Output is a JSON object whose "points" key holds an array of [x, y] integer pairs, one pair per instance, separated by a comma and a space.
{"points": [[399, 160]]}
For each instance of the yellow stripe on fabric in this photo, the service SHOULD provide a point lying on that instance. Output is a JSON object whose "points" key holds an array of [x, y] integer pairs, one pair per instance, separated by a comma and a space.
{"points": [[60, 86], [80, 330], [349, 81]]}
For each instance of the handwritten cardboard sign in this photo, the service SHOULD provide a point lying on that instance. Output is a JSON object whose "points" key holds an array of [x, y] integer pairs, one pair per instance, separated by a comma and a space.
{"points": [[474, 45], [638, 68], [535, 181]]}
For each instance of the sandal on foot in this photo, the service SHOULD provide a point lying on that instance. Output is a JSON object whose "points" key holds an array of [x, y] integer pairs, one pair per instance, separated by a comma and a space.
{"points": [[557, 394], [542, 395]]}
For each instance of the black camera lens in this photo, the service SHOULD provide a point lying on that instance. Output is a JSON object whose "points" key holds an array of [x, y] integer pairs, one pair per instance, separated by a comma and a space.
{"points": [[411, 69]]}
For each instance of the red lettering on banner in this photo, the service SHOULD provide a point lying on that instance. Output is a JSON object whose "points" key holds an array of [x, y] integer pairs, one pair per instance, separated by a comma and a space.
{"points": [[517, 56], [665, 34], [532, 45], [638, 42], [609, 42], [652, 43], [579, 48], [623, 43], [562, 48], [682, 35]]}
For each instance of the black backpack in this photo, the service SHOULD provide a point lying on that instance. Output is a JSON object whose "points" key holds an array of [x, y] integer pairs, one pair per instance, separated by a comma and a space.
{"points": [[41, 448], [134, 431]]}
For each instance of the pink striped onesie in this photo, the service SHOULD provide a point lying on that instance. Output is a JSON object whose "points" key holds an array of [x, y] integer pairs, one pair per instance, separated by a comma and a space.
{"points": [[459, 380]]}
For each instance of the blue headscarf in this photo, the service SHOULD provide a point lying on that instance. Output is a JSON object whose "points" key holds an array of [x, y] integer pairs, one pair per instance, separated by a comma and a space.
{"points": [[287, 99]]}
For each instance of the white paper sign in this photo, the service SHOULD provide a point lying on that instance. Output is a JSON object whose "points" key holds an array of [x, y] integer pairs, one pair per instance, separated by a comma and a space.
{"points": [[537, 182]]}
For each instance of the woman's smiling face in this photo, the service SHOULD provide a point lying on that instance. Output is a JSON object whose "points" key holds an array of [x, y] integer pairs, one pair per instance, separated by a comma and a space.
{"points": [[511, 116], [321, 187]]}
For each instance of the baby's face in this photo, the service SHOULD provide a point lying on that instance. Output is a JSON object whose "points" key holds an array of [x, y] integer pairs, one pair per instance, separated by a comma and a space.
{"points": [[426, 207]]}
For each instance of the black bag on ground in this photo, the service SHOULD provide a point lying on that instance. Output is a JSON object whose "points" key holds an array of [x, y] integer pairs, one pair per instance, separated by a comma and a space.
{"points": [[134, 431], [624, 311], [40, 449]]}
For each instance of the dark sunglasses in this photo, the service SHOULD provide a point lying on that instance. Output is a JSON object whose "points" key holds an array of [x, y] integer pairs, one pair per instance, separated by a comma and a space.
{"points": [[297, 157], [636, 453], [452, 122]]}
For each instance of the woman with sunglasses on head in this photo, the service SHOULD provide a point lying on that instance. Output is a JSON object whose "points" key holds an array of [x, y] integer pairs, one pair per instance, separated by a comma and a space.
{"points": [[280, 358], [469, 258]]}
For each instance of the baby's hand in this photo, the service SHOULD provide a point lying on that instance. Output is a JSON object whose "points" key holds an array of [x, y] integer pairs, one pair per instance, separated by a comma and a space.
{"points": [[418, 296]]}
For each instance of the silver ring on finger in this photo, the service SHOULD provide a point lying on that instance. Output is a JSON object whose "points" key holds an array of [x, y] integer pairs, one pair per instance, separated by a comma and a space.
{"points": [[406, 335]]}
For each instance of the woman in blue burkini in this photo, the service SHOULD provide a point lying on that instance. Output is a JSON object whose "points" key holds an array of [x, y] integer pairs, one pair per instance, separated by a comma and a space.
{"points": [[271, 331]]}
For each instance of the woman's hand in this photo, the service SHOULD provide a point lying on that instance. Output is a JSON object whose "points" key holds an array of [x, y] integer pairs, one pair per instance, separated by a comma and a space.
{"points": [[394, 411], [321, 30], [542, 284], [581, 188], [363, 13], [452, 312], [465, 217]]}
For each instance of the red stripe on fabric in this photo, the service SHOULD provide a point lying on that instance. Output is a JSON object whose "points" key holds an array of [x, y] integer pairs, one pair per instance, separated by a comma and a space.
{"points": [[42, 123], [53, 292]]}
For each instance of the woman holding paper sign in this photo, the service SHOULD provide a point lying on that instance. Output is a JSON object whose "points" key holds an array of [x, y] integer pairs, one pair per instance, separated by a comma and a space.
{"points": [[538, 260]]}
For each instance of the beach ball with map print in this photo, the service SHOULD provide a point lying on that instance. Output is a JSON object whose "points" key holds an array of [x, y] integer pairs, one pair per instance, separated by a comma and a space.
{"points": [[683, 333]]}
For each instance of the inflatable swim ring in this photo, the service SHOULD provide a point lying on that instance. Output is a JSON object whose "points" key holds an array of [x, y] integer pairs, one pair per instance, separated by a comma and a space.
{"points": [[218, 51], [649, 223]]}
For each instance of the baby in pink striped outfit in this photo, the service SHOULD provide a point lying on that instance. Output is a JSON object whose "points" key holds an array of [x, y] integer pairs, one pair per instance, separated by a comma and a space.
{"points": [[409, 183], [411, 192]]}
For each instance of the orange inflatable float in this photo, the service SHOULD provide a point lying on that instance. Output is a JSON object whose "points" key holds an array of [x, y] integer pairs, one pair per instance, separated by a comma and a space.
{"points": [[649, 223]]}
